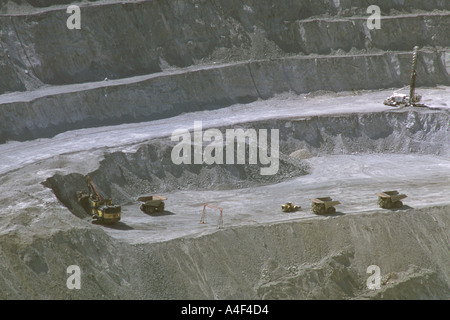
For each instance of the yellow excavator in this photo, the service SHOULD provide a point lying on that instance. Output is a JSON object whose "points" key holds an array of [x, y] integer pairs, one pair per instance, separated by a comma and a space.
{"points": [[102, 209]]}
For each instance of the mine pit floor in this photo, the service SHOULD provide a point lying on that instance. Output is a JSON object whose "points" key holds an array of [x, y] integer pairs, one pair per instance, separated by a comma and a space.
{"points": [[353, 180]]}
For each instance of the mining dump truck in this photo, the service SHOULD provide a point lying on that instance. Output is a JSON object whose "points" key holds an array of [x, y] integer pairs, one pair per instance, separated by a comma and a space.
{"points": [[390, 199], [402, 100], [152, 204], [289, 207], [102, 209], [324, 205]]}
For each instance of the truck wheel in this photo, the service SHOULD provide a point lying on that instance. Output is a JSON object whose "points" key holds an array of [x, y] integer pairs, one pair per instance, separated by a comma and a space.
{"points": [[318, 208], [331, 210], [387, 204]]}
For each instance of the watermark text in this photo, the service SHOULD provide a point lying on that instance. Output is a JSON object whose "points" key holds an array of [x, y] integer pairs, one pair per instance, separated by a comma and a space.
{"points": [[233, 140]]}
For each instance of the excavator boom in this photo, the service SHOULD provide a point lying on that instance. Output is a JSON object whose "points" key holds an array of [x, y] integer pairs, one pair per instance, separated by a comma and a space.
{"points": [[92, 187]]}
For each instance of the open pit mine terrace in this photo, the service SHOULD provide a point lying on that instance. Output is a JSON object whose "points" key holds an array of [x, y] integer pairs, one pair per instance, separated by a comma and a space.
{"points": [[104, 101]]}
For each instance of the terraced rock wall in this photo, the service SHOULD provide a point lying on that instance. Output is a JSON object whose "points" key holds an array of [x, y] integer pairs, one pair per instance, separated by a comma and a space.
{"points": [[44, 114], [165, 58]]}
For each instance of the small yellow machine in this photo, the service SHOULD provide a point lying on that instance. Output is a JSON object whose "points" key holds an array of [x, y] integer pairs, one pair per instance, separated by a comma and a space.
{"points": [[102, 210], [324, 205], [290, 207]]}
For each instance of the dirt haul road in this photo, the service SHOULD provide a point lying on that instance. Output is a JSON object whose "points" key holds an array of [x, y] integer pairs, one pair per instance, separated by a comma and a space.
{"points": [[105, 100]]}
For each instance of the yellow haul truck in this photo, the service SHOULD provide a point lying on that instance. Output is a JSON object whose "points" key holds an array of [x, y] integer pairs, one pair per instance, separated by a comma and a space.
{"points": [[324, 205], [390, 199]]}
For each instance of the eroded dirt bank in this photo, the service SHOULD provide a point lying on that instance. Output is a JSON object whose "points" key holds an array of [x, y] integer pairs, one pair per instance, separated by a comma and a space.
{"points": [[318, 258]]}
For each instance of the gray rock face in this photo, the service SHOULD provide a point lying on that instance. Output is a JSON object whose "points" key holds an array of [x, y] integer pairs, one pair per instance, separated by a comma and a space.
{"points": [[135, 61], [119, 40]]}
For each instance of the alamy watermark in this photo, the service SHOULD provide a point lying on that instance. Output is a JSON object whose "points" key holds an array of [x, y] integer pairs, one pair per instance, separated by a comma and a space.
{"points": [[74, 20], [233, 139], [374, 281], [74, 280], [374, 21]]}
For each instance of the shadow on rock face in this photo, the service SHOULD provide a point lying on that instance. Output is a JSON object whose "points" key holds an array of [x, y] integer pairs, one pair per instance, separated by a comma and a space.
{"points": [[117, 226], [159, 214]]}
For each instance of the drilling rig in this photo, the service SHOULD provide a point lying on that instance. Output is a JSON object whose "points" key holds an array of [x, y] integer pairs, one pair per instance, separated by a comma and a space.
{"points": [[402, 100]]}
